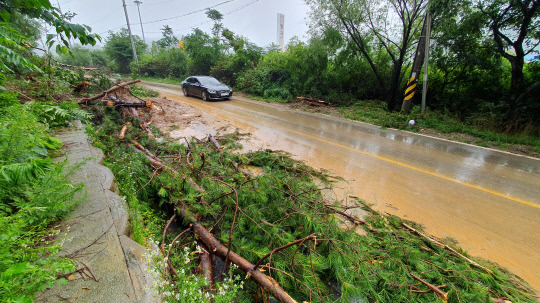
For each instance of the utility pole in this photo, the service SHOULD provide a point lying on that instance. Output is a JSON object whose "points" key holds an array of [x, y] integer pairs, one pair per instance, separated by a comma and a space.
{"points": [[419, 58], [426, 63], [140, 20], [130, 36]]}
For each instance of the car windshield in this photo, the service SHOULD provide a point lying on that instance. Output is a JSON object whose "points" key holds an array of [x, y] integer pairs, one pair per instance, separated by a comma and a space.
{"points": [[209, 81]]}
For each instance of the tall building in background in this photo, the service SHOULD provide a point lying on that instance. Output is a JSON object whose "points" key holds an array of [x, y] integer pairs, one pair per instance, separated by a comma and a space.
{"points": [[280, 31]]}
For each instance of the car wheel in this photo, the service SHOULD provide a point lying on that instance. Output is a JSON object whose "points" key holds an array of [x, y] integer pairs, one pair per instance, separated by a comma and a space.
{"points": [[204, 96], [185, 91]]}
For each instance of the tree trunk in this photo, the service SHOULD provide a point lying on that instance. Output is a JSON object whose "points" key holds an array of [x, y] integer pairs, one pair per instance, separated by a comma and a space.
{"points": [[517, 87], [215, 246], [393, 93]]}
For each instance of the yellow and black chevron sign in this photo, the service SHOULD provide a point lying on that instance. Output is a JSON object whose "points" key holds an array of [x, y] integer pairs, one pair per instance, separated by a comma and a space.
{"points": [[411, 89]]}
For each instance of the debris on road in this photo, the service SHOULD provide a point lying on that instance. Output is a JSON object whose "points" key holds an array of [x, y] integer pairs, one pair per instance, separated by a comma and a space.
{"points": [[105, 94], [314, 101]]}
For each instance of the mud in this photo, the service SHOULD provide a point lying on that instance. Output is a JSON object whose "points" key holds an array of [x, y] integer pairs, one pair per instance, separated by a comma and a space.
{"points": [[180, 120]]}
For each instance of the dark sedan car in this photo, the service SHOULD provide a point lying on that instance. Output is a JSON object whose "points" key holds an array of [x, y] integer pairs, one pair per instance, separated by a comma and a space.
{"points": [[208, 88]]}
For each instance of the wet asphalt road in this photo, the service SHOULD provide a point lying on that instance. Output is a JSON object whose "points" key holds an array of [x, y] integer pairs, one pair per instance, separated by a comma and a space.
{"points": [[489, 201]]}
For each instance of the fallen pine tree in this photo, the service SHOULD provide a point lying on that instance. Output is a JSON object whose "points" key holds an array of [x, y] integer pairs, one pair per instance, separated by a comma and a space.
{"points": [[276, 225]]}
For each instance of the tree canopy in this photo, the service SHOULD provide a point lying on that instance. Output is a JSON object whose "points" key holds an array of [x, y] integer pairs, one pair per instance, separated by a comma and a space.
{"points": [[13, 42], [118, 48]]}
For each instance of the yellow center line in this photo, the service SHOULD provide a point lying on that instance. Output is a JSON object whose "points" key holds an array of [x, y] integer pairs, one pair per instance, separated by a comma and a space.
{"points": [[524, 202]]}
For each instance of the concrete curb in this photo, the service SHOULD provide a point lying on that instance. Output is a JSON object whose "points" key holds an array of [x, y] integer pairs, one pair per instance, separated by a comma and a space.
{"points": [[111, 266]]}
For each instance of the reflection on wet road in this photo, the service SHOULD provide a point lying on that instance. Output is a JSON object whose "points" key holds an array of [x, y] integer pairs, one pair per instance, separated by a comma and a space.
{"points": [[487, 200]]}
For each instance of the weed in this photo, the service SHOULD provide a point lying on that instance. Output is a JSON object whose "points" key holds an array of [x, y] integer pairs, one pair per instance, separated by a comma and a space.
{"points": [[189, 288], [142, 92], [161, 80]]}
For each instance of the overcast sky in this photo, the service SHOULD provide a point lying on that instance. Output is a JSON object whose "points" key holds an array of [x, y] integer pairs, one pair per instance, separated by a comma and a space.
{"points": [[254, 19]]}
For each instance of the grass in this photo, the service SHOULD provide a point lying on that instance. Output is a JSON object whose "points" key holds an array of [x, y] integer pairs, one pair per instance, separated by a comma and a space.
{"points": [[444, 125], [265, 99], [161, 80]]}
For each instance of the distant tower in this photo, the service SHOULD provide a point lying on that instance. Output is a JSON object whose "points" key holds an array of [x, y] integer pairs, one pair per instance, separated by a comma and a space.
{"points": [[280, 31]]}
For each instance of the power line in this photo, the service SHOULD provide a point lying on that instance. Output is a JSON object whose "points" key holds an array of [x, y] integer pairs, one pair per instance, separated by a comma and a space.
{"points": [[241, 8], [226, 14], [190, 13], [159, 3], [176, 17], [112, 29], [67, 2], [107, 16]]}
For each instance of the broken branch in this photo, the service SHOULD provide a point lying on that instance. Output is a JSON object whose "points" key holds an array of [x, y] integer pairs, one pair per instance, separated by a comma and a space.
{"points": [[436, 242], [122, 135], [147, 129], [159, 164], [216, 144], [349, 217], [206, 268], [434, 288], [110, 90], [267, 283], [165, 232], [310, 237], [313, 101]]}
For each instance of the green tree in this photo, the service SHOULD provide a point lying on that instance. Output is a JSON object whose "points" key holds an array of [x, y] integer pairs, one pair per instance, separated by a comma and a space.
{"points": [[245, 55], [86, 57], [475, 35], [13, 42], [30, 28], [204, 51], [514, 27], [374, 28], [118, 49], [167, 63], [168, 40], [217, 17]]}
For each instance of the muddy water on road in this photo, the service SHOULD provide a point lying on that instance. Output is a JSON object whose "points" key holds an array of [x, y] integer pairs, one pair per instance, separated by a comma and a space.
{"points": [[488, 201]]}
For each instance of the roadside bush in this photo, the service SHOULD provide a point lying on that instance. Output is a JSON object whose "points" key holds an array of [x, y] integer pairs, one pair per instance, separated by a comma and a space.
{"points": [[167, 63], [101, 79], [84, 57], [269, 73], [278, 93], [68, 75], [314, 69], [143, 92], [8, 99]]}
